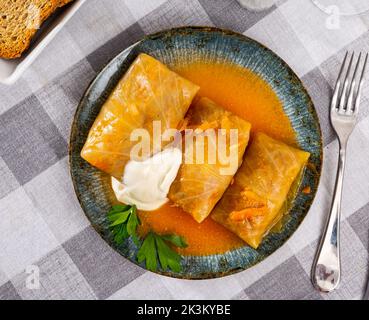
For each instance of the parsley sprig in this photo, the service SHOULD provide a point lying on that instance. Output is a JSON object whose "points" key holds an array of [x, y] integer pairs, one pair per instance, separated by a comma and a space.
{"points": [[155, 246], [124, 222]]}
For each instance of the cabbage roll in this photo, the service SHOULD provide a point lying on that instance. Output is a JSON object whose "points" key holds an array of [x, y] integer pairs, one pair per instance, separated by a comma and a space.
{"points": [[148, 92], [252, 205], [200, 184]]}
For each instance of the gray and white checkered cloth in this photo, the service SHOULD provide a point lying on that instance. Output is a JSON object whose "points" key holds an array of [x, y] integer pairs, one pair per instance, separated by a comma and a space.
{"points": [[41, 222]]}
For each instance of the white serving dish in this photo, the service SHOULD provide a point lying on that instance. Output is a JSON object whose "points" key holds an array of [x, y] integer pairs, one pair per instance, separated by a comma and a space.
{"points": [[11, 70]]}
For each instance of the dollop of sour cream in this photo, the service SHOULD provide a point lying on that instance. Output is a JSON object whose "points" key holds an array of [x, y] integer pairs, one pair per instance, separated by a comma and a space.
{"points": [[146, 183]]}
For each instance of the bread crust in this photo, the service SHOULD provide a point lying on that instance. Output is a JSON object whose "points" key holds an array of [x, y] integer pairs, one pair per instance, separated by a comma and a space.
{"points": [[19, 22]]}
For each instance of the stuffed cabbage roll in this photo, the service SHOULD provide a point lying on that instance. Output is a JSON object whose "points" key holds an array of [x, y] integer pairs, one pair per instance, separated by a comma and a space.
{"points": [[204, 176], [251, 206], [148, 92]]}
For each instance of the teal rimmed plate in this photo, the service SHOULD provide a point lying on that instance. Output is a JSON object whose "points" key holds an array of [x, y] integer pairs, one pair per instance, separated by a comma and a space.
{"points": [[93, 187]]}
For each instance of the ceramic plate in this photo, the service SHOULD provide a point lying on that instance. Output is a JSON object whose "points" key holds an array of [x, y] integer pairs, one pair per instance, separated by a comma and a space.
{"points": [[93, 187]]}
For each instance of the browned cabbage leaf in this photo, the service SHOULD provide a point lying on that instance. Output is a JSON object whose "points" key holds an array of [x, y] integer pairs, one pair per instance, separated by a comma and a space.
{"points": [[198, 187], [148, 92], [251, 206]]}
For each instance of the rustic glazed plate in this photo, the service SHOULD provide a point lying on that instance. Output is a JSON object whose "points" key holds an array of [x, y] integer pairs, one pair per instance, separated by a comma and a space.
{"points": [[186, 44]]}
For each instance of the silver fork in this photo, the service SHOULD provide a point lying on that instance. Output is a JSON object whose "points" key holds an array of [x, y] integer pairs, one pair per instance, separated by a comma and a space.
{"points": [[326, 270]]}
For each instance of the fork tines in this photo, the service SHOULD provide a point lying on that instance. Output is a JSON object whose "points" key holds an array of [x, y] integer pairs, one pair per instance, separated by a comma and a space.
{"points": [[343, 102]]}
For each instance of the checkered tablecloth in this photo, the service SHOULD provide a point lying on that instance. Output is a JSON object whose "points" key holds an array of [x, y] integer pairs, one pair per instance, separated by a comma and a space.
{"points": [[41, 222]]}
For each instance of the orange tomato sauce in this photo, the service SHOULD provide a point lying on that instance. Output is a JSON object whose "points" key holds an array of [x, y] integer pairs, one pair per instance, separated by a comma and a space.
{"points": [[247, 95]]}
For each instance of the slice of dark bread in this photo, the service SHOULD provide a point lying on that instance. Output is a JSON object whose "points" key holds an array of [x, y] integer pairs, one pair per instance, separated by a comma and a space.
{"points": [[19, 22]]}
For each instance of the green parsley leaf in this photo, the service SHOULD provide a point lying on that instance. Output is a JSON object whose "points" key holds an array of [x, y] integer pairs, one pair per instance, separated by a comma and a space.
{"points": [[119, 218], [154, 246], [167, 257], [175, 239], [119, 208], [148, 252], [133, 222], [124, 222], [120, 233]]}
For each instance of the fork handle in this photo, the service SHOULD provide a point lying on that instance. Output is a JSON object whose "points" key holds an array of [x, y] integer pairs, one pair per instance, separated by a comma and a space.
{"points": [[326, 270]]}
